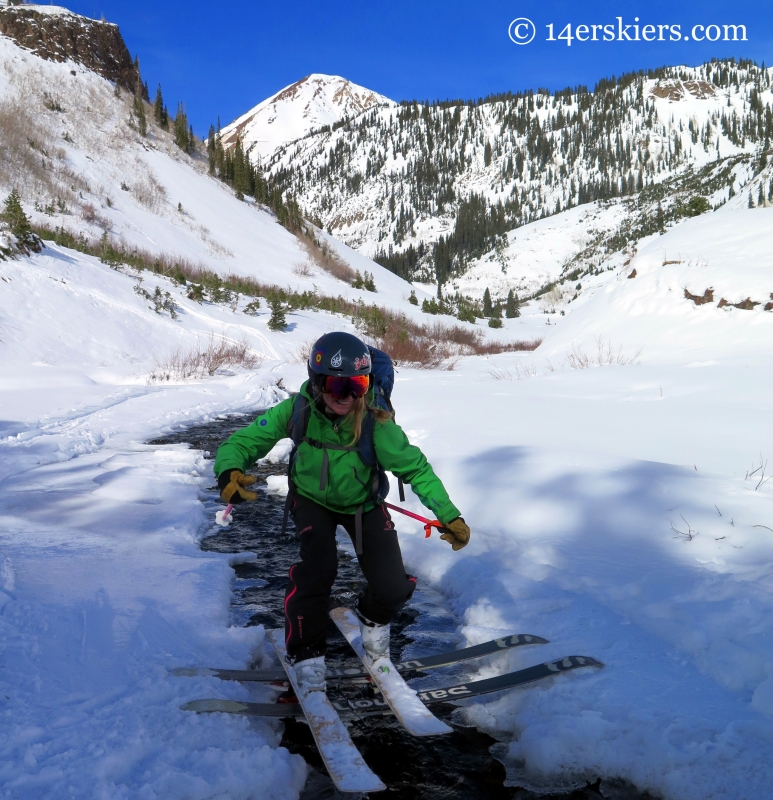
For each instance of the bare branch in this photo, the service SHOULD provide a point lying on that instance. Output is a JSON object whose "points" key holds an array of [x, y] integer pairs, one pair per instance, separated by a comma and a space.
{"points": [[688, 534]]}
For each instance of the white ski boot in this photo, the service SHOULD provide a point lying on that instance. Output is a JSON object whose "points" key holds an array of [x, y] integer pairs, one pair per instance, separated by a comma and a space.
{"points": [[375, 639], [311, 675]]}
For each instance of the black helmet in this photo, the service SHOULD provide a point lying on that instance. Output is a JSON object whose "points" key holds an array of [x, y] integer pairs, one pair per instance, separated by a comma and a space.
{"points": [[338, 354]]}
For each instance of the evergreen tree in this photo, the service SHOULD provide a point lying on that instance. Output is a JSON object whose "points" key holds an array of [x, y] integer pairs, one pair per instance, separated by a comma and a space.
{"points": [[160, 113], [19, 224], [487, 308], [512, 307], [211, 150], [277, 321], [413, 300], [139, 115], [181, 130]]}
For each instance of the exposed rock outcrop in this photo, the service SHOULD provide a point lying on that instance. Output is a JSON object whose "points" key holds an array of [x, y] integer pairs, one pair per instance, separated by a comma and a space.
{"points": [[57, 34]]}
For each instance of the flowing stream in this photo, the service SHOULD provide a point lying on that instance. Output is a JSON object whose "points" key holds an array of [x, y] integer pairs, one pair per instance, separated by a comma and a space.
{"points": [[458, 765]]}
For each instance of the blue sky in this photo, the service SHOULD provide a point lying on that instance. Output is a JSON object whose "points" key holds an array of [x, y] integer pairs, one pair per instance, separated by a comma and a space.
{"points": [[223, 57]]}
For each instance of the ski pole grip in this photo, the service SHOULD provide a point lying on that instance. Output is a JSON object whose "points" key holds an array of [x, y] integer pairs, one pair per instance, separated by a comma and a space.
{"points": [[222, 518]]}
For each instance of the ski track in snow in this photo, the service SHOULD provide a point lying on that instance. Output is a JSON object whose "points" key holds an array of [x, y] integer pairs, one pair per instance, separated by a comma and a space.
{"points": [[570, 479]]}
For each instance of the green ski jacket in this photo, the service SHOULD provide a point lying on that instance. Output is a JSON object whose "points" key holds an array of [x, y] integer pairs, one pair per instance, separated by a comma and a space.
{"points": [[349, 480]]}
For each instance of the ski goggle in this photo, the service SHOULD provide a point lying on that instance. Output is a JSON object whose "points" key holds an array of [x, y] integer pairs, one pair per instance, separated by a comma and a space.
{"points": [[340, 387]]}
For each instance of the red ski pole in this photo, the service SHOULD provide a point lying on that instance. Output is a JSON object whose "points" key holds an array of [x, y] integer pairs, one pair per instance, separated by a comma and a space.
{"points": [[429, 524]]}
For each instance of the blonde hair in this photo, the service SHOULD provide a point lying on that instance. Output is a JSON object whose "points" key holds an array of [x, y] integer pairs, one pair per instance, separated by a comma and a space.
{"points": [[358, 411]]}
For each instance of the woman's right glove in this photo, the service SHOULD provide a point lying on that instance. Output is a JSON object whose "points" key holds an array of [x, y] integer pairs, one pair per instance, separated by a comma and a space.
{"points": [[231, 484], [457, 533]]}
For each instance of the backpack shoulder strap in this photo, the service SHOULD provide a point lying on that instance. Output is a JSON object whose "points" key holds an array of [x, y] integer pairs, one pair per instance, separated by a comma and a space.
{"points": [[296, 430], [366, 448], [299, 419]]}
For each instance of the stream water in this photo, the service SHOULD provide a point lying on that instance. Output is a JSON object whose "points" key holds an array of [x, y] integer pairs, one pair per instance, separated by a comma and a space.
{"points": [[459, 765]]}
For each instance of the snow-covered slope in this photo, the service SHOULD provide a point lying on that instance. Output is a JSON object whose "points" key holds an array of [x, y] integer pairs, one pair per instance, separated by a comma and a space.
{"points": [[311, 103], [721, 258], [611, 506], [403, 178], [80, 165]]}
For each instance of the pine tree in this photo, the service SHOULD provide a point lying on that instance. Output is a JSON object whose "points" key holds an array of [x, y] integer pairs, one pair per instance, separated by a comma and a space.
{"points": [[160, 113], [277, 321], [19, 224], [211, 150], [139, 115], [512, 309], [487, 308], [181, 129]]}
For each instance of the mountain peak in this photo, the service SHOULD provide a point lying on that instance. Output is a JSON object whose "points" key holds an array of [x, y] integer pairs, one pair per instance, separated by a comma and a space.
{"points": [[306, 105]]}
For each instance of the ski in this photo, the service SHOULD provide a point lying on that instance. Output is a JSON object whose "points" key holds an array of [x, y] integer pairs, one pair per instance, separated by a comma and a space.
{"points": [[344, 763], [414, 715], [376, 706], [338, 674]]}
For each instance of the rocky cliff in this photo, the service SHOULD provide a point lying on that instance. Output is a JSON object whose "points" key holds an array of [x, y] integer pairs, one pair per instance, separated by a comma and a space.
{"points": [[58, 35]]}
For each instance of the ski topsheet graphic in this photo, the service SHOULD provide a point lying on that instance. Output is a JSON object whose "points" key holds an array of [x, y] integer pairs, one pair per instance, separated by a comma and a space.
{"points": [[339, 674], [368, 706], [404, 701], [346, 767]]}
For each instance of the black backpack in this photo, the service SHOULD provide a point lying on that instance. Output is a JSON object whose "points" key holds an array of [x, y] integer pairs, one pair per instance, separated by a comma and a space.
{"points": [[383, 373]]}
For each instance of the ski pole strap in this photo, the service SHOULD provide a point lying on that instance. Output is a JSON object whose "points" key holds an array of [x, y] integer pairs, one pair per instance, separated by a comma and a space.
{"points": [[401, 489], [358, 531]]}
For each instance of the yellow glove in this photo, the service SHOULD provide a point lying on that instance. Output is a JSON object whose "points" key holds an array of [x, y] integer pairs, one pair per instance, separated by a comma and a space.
{"points": [[457, 533], [231, 484]]}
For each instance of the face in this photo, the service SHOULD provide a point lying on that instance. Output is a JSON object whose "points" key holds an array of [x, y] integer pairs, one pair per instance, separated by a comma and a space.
{"points": [[338, 405]]}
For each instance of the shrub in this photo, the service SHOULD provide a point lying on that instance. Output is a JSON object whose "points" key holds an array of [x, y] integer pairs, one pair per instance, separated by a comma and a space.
{"points": [[277, 321], [199, 361], [413, 300]]}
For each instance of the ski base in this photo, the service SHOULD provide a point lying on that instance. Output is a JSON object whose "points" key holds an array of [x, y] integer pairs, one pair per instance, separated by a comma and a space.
{"points": [[344, 763], [414, 715], [353, 673], [352, 709]]}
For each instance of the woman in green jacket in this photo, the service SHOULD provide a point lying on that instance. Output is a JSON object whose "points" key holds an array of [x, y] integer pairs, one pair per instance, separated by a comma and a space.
{"points": [[330, 485]]}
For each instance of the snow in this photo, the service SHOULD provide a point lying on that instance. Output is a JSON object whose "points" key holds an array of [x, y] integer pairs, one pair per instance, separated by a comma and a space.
{"points": [[307, 105], [611, 507]]}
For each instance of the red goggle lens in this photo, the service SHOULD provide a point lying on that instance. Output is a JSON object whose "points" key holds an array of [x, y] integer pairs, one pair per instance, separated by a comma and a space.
{"points": [[356, 385]]}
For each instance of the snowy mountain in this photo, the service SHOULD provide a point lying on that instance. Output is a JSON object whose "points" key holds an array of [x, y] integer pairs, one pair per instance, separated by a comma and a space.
{"points": [[615, 477], [310, 104], [429, 189]]}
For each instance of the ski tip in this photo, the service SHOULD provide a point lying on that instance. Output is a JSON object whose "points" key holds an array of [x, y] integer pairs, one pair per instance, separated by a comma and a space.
{"points": [[582, 661], [527, 638], [192, 672]]}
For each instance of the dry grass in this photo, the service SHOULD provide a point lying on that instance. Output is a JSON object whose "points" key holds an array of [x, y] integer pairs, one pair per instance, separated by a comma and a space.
{"points": [[200, 361], [301, 353], [605, 356], [522, 372], [321, 255], [149, 192], [433, 346], [303, 269]]}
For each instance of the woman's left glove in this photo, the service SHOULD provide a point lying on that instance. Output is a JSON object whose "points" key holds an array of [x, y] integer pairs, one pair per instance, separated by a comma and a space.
{"points": [[457, 533], [231, 484]]}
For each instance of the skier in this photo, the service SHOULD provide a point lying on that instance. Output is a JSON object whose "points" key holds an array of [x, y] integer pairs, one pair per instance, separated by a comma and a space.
{"points": [[330, 485]]}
